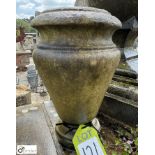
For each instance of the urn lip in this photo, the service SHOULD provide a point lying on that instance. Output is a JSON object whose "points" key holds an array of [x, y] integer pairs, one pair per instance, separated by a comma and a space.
{"points": [[81, 8], [76, 16]]}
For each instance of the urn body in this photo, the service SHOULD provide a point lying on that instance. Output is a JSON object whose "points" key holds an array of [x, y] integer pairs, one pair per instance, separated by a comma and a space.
{"points": [[76, 59]]}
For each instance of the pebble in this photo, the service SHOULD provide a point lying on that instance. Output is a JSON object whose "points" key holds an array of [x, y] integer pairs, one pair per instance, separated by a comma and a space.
{"points": [[25, 110], [55, 115], [33, 108]]}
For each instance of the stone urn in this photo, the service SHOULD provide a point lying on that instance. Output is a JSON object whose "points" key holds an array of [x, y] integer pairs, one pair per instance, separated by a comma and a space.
{"points": [[76, 59]]}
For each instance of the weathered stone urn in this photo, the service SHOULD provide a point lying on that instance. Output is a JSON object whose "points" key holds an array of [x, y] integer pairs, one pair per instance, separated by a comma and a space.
{"points": [[76, 58]]}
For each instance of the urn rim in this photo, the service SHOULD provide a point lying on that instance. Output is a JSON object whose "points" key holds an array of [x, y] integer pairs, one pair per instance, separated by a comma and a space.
{"points": [[76, 16], [76, 8]]}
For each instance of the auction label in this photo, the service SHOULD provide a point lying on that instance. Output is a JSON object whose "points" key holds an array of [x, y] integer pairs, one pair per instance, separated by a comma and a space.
{"points": [[86, 142]]}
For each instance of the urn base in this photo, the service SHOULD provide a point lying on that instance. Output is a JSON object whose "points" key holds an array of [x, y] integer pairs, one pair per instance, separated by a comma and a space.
{"points": [[65, 133]]}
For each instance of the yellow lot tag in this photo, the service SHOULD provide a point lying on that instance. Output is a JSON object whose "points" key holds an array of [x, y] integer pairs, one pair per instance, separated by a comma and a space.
{"points": [[86, 142]]}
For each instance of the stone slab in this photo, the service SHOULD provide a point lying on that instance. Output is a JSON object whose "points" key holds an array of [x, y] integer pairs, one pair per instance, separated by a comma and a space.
{"points": [[133, 64], [54, 119], [120, 109], [32, 129]]}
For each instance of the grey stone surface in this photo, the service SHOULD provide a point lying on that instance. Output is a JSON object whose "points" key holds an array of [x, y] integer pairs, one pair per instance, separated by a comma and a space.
{"points": [[120, 108], [129, 92], [32, 129], [133, 64]]}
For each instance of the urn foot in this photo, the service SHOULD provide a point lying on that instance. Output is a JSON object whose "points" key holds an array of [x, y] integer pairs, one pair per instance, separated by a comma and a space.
{"points": [[65, 133]]}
